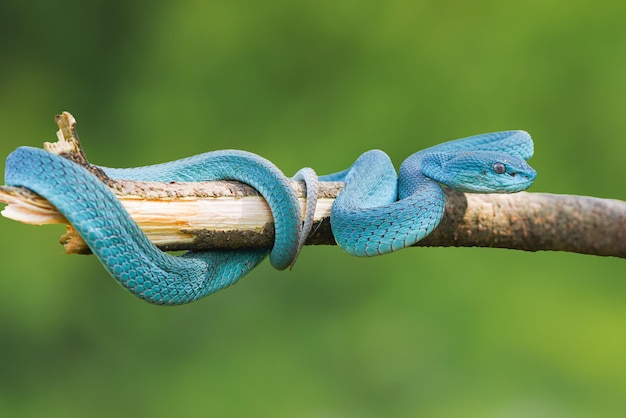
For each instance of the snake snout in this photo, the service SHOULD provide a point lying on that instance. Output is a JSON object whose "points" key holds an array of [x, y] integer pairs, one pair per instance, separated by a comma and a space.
{"points": [[521, 180]]}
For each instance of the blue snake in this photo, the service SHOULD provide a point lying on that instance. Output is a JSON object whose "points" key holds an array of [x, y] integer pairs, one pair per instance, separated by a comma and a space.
{"points": [[376, 212]]}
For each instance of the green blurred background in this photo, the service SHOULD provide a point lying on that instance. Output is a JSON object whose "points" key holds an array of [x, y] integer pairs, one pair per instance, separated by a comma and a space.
{"points": [[433, 332]]}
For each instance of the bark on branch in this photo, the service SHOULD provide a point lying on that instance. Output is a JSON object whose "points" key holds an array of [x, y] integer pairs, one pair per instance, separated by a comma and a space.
{"points": [[232, 215]]}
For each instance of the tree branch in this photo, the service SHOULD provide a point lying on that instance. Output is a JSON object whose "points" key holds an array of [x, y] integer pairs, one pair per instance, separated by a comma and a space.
{"points": [[232, 215]]}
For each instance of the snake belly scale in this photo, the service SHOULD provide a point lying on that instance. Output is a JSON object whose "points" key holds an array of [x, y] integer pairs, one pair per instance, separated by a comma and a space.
{"points": [[377, 212]]}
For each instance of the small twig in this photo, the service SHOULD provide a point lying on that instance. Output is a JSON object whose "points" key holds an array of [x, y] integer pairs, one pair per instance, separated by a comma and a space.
{"points": [[232, 215]]}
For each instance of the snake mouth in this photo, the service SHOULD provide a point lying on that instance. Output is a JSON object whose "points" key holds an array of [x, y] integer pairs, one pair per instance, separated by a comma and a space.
{"points": [[520, 181]]}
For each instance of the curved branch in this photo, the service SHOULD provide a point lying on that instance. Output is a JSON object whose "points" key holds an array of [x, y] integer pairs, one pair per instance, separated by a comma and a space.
{"points": [[231, 215]]}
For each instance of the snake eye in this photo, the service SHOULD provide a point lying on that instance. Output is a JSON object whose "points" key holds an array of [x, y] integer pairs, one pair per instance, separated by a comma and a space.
{"points": [[499, 168]]}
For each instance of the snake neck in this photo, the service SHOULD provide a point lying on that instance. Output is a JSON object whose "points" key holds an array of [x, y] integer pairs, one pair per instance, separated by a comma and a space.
{"points": [[412, 180]]}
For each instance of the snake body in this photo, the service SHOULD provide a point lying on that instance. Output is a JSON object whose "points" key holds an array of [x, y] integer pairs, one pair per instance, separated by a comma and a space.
{"points": [[377, 212], [124, 250]]}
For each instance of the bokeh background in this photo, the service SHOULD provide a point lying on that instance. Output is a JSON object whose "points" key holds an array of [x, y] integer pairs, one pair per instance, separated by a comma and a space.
{"points": [[433, 332]]}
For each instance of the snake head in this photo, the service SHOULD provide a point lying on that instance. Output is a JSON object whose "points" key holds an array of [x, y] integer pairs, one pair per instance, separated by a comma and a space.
{"points": [[480, 171]]}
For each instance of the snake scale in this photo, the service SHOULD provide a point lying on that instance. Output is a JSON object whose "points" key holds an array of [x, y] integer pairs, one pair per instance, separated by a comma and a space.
{"points": [[377, 211]]}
